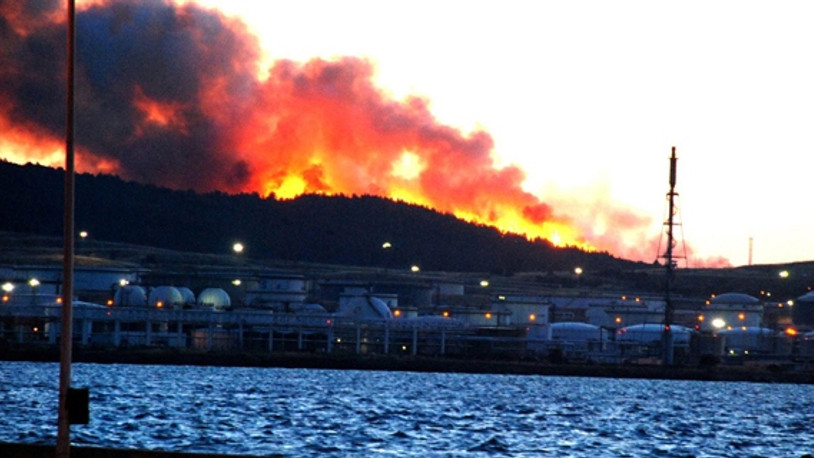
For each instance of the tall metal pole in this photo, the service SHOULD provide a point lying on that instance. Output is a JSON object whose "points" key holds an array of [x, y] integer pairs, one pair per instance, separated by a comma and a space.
{"points": [[63, 449], [667, 337]]}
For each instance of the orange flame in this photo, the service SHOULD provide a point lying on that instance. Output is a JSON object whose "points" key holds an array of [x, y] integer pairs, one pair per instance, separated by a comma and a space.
{"points": [[315, 127], [322, 127], [167, 115]]}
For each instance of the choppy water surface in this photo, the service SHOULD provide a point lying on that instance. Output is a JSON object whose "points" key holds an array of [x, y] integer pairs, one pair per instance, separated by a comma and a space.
{"points": [[304, 412]]}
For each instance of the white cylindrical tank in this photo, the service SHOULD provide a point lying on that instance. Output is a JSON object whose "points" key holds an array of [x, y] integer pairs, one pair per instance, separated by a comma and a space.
{"points": [[130, 296], [751, 339], [165, 297], [214, 298], [652, 332]]}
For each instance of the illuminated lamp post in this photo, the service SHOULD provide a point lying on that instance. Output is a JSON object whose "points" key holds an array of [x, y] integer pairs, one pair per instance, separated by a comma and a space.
{"points": [[238, 248], [718, 323], [34, 283], [83, 235], [783, 274], [7, 287], [387, 247]]}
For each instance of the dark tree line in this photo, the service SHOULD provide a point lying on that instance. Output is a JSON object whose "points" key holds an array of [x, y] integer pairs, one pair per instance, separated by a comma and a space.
{"points": [[347, 230]]}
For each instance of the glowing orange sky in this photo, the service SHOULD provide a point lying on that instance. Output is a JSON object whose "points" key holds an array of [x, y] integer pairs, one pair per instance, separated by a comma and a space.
{"points": [[195, 114]]}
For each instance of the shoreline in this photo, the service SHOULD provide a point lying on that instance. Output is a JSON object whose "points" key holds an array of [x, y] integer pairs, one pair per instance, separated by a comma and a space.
{"points": [[759, 373]]}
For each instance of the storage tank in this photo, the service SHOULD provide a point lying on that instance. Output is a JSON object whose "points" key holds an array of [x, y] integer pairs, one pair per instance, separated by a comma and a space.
{"points": [[214, 298], [749, 339], [575, 332], [807, 345], [731, 311], [308, 309], [130, 296], [364, 307], [653, 332], [165, 297], [187, 295], [803, 314]]}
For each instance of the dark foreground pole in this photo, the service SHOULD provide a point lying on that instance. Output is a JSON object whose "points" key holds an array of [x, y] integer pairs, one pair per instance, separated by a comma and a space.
{"points": [[63, 449]]}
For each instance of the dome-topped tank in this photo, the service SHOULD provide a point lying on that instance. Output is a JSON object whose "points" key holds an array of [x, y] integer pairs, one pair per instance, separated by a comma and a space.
{"points": [[215, 298], [729, 311], [130, 296], [653, 332], [748, 338], [187, 295], [734, 298], [165, 297], [365, 307]]}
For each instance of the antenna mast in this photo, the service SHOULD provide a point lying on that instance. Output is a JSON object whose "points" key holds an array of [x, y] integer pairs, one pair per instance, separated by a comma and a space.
{"points": [[670, 263]]}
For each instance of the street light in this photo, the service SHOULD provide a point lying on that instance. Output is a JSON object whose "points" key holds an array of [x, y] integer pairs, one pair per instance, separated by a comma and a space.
{"points": [[578, 272], [238, 247], [415, 268], [33, 283], [718, 323]]}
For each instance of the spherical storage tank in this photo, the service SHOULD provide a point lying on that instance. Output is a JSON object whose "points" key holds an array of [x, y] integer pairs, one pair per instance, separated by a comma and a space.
{"points": [[130, 296], [214, 298], [166, 297], [187, 295]]}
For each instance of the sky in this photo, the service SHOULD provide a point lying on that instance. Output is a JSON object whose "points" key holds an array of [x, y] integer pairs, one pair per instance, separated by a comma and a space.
{"points": [[561, 115]]}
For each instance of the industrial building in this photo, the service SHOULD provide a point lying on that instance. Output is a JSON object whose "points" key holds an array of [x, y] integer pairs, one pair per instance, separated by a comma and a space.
{"points": [[278, 310]]}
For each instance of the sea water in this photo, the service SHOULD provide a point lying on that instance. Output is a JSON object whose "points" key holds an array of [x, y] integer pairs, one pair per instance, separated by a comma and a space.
{"points": [[340, 413]]}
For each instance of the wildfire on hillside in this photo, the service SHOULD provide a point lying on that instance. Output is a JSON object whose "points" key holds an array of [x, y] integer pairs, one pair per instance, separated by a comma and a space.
{"points": [[170, 95]]}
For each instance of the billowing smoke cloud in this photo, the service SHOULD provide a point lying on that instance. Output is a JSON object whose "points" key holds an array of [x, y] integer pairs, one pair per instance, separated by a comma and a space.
{"points": [[170, 95], [324, 127], [150, 78]]}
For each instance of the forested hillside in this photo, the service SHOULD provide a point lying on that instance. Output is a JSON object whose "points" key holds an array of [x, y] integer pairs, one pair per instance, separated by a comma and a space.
{"points": [[326, 229]]}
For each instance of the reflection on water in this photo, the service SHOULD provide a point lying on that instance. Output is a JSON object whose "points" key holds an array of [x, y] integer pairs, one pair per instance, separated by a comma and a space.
{"points": [[306, 412]]}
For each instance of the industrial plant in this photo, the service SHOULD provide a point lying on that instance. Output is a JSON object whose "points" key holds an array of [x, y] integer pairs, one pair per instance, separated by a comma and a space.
{"points": [[395, 312], [403, 311]]}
